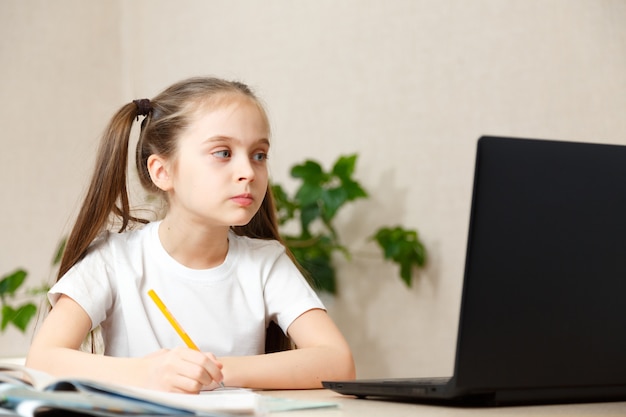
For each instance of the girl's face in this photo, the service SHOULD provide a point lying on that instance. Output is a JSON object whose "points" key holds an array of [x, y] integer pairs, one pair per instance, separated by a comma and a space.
{"points": [[220, 170]]}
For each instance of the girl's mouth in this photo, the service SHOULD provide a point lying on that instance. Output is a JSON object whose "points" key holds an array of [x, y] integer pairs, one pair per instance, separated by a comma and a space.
{"points": [[243, 200]]}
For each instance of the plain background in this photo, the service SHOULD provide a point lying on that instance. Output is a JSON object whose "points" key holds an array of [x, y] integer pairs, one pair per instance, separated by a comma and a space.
{"points": [[409, 85]]}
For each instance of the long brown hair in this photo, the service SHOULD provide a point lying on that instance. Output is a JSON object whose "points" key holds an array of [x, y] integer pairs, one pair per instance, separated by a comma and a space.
{"points": [[107, 201]]}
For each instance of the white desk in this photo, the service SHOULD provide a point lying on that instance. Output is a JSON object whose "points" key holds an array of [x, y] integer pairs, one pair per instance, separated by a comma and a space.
{"points": [[353, 407]]}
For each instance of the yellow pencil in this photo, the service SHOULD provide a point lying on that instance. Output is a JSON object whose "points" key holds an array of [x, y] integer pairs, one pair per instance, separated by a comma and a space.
{"points": [[190, 344]]}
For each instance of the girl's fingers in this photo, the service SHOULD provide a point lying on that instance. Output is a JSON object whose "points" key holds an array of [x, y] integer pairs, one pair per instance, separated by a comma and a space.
{"points": [[213, 368], [185, 370], [210, 368]]}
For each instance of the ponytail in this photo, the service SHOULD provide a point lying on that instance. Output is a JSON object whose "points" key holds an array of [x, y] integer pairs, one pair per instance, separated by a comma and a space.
{"points": [[107, 191]]}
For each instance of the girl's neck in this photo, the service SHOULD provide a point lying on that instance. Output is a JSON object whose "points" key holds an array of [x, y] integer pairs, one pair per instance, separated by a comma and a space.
{"points": [[194, 246]]}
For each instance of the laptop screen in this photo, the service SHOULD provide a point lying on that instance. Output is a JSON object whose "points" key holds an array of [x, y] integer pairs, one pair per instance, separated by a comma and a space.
{"points": [[544, 298]]}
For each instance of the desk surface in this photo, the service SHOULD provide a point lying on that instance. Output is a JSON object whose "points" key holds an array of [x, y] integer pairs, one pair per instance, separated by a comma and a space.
{"points": [[350, 406]]}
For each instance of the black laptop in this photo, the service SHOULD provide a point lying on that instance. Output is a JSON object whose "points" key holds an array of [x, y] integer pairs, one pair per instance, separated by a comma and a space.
{"points": [[543, 310]]}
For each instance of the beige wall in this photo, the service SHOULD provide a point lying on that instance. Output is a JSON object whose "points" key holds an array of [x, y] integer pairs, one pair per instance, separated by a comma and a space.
{"points": [[409, 85], [60, 78]]}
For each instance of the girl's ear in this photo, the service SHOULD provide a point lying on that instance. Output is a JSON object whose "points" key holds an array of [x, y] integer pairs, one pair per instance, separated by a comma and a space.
{"points": [[159, 171]]}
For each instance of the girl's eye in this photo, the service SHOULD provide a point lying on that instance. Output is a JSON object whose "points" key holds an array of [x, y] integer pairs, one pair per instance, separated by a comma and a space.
{"points": [[222, 154], [260, 156]]}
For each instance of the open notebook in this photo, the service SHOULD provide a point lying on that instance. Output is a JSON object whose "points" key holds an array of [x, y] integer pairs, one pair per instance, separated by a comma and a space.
{"points": [[28, 392], [543, 311]]}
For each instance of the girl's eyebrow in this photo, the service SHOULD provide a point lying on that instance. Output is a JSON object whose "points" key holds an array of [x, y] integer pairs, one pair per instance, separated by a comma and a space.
{"points": [[218, 139], [214, 139]]}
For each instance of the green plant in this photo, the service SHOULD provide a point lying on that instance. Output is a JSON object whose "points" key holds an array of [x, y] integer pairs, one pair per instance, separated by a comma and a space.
{"points": [[15, 310], [315, 204]]}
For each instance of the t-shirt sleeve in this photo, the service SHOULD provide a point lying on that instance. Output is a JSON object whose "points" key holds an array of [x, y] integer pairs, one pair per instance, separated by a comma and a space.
{"points": [[287, 293], [88, 284]]}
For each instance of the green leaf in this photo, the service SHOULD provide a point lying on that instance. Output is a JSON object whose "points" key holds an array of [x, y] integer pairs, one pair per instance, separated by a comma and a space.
{"points": [[332, 200], [308, 215], [402, 247], [353, 190], [7, 316], [11, 282], [310, 172], [20, 318], [406, 272], [344, 167], [309, 194]]}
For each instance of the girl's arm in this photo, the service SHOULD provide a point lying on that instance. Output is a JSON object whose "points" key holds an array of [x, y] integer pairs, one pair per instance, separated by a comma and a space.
{"points": [[55, 350], [322, 354]]}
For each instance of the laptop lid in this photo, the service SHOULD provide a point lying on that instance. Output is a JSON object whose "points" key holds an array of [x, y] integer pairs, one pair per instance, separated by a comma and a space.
{"points": [[543, 302], [543, 315]]}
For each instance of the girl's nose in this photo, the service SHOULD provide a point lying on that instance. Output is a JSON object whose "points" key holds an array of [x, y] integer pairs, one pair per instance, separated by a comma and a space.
{"points": [[245, 171]]}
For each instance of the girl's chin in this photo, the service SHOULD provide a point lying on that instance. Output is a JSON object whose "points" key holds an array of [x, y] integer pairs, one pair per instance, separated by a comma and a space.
{"points": [[243, 217], [241, 223]]}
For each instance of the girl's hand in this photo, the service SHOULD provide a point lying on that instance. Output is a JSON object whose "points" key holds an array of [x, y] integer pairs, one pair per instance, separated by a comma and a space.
{"points": [[181, 370]]}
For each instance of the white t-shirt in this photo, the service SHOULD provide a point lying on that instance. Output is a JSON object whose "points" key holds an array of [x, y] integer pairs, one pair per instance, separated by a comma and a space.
{"points": [[224, 310]]}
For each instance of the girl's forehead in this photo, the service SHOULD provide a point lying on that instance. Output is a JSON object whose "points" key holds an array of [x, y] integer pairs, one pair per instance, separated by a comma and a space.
{"points": [[229, 100], [223, 100]]}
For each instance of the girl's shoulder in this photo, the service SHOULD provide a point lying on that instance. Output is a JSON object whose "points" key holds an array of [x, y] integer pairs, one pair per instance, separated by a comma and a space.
{"points": [[111, 241]]}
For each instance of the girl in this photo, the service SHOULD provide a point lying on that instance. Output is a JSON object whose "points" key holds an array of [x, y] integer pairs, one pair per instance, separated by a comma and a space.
{"points": [[214, 259]]}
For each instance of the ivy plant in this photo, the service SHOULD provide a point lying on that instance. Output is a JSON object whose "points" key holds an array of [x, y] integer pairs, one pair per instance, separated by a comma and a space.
{"points": [[315, 204]]}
